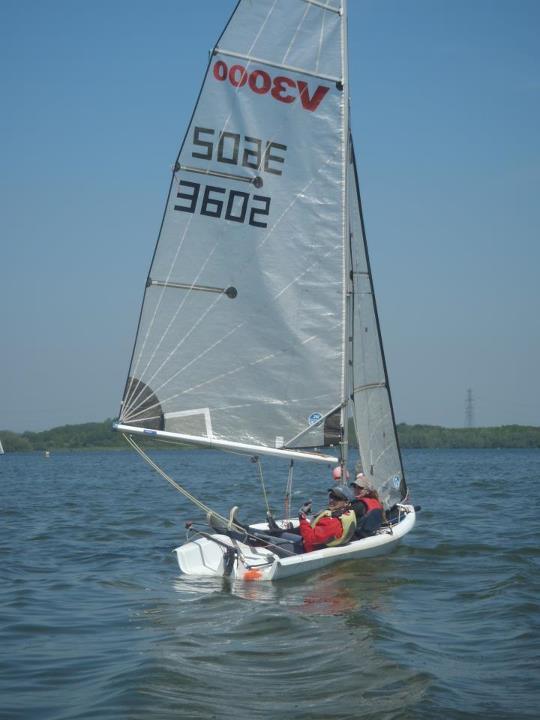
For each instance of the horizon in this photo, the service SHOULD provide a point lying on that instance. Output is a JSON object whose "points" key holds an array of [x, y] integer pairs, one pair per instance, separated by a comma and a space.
{"points": [[408, 424], [445, 107]]}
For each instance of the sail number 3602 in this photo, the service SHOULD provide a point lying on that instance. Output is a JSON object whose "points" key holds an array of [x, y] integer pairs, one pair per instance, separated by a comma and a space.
{"points": [[217, 202]]}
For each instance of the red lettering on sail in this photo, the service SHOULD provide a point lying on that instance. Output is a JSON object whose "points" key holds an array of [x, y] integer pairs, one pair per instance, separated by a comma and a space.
{"points": [[220, 70], [281, 88], [265, 79], [238, 75], [313, 102]]}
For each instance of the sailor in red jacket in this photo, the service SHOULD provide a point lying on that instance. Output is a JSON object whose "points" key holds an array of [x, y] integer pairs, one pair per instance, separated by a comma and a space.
{"points": [[332, 526], [367, 507]]}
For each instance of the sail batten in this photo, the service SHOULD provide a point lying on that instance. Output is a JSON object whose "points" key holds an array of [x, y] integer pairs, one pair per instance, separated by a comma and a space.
{"points": [[278, 65], [230, 291], [324, 6], [215, 173]]}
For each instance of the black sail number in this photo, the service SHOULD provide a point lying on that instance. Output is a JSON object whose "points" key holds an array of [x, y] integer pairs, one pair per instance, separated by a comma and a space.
{"points": [[216, 202]]}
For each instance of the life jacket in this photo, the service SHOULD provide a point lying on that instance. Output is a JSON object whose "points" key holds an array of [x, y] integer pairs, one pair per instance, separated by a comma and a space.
{"points": [[371, 503], [348, 522]]}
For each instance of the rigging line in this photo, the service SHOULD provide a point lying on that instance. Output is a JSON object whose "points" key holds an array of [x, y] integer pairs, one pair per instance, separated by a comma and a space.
{"points": [[261, 477], [288, 491], [189, 496], [166, 330], [133, 406], [135, 372], [169, 479]]}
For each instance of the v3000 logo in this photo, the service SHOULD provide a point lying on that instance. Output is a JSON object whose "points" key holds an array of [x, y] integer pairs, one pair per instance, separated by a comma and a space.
{"points": [[281, 88]]}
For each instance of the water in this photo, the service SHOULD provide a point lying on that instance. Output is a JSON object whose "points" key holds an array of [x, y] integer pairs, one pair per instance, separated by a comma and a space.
{"points": [[96, 621]]}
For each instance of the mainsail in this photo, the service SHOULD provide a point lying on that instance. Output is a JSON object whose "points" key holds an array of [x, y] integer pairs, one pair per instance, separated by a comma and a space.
{"points": [[254, 292]]}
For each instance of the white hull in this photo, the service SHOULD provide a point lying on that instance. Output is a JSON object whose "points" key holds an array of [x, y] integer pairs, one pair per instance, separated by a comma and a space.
{"points": [[205, 557]]}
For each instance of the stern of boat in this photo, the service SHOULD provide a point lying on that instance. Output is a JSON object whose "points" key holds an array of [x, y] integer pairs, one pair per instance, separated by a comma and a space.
{"points": [[222, 557]]}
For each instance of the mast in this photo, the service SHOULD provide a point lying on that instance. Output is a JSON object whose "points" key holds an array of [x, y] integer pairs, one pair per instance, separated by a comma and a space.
{"points": [[347, 286]]}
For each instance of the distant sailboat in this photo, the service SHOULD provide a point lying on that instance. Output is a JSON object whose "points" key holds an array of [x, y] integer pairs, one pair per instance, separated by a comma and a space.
{"points": [[1, 448], [259, 332], [47, 454]]}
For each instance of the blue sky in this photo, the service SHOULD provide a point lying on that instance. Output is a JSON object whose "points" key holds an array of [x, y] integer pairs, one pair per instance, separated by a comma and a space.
{"points": [[445, 115]]}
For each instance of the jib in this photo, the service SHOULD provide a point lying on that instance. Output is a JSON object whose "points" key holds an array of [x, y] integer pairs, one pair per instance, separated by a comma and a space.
{"points": [[280, 88]]}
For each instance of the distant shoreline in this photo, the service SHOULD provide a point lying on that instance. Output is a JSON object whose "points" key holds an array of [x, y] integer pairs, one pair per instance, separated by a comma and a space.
{"points": [[100, 436]]}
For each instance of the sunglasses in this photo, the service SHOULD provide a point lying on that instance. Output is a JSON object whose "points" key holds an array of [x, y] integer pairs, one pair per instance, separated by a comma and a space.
{"points": [[333, 496]]}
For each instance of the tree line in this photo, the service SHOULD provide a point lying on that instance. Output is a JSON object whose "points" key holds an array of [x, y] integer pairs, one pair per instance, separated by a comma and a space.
{"points": [[100, 436]]}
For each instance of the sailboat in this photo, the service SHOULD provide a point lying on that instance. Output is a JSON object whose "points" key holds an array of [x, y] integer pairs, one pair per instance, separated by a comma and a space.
{"points": [[1, 448], [259, 332]]}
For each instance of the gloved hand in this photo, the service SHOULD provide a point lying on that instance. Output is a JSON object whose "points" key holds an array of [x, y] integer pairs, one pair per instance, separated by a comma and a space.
{"points": [[305, 509]]}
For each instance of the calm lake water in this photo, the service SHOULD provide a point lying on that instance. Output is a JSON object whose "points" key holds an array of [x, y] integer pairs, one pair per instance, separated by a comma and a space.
{"points": [[96, 621]]}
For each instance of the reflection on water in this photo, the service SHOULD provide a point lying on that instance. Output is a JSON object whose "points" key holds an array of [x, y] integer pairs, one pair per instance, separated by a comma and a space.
{"points": [[327, 593]]}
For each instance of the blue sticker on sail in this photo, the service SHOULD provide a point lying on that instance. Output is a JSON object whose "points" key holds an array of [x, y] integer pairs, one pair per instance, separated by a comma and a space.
{"points": [[314, 418], [396, 481]]}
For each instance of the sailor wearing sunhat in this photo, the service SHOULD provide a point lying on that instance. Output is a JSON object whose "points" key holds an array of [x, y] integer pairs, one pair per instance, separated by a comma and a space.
{"points": [[367, 506]]}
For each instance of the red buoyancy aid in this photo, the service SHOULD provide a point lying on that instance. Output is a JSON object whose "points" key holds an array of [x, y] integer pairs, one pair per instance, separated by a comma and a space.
{"points": [[371, 503]]}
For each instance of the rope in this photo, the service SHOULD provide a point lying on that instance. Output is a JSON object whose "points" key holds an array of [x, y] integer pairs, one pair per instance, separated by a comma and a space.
{"points": [[172, 482], [288, 491], [259, 466], [199, 503]]}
